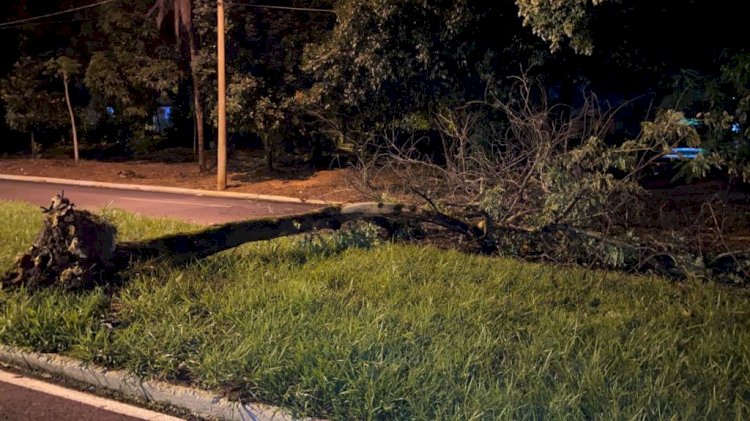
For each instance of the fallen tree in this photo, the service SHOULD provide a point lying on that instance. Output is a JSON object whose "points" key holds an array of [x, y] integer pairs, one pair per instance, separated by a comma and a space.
{"points": [[77, 249]]}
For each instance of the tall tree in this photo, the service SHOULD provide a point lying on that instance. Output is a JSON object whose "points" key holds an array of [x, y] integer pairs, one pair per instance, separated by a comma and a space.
{"points": [[65, 68], [183, 24]]}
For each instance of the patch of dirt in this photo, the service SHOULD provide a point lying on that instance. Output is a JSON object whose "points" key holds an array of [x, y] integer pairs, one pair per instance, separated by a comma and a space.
{"points": [[698, 211], [246, 173]]}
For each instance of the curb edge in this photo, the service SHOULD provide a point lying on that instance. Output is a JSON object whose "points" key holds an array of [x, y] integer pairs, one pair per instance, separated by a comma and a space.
{"points": [[199, 402], [163, 189]]}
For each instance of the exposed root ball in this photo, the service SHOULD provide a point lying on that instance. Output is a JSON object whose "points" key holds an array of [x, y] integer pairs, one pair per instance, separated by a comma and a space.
{"points": [[72, 250]]}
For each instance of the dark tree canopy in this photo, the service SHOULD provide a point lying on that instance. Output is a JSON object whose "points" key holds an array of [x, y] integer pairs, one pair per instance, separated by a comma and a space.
{"points": [[369, 65]]}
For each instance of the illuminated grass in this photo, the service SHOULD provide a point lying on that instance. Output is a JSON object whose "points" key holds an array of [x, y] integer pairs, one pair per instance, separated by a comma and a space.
{"points": [[401, 332]]}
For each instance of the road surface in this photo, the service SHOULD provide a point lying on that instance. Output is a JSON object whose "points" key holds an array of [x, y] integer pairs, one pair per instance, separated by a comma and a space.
{"points": [[23, 398], [199, 209]]}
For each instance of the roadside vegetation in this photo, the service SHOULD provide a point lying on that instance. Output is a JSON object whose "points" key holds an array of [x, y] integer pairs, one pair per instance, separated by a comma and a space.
{"points": [[534, 124], [530, 129], [349, 327]]}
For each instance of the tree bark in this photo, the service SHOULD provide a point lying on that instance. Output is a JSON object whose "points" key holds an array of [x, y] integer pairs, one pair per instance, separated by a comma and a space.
{"points": [[72, 117], [33, 146], [197, 103], [185, 247]]}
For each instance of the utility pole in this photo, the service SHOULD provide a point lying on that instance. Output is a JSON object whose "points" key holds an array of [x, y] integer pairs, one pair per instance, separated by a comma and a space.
{"points": [[221, 167]]}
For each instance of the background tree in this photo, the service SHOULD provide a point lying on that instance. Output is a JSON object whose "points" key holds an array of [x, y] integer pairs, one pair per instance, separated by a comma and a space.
{"points": [[395, 64], [270, 47], [31, 105], [264, 56], [132, 67], [66, 68], [22, 66], [183, 24]]}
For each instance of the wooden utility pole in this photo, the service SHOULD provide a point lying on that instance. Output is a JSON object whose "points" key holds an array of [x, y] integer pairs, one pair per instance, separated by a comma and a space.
{"points": [[221, 167]]}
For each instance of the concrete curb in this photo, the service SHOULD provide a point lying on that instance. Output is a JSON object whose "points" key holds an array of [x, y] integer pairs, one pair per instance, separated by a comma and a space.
{"points": [[162, 189], [199, 402]]}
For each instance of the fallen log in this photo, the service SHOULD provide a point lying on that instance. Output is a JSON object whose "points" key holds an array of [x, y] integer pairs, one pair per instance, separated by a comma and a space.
{"points": [[77, 249], [186, 247]]}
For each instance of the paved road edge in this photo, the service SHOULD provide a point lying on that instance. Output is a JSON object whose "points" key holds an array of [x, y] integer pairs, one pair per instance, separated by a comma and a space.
{"points": [[49, 389], [199, 402], [163, 189]]}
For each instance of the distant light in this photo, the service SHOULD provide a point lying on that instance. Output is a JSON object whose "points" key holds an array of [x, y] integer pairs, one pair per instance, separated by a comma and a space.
{"points": [[736, 128], [110, 110], [684, 153], [694, 122]]}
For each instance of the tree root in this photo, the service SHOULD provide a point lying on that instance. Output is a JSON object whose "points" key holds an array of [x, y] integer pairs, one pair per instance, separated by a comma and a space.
{"points": [[71, 251]]}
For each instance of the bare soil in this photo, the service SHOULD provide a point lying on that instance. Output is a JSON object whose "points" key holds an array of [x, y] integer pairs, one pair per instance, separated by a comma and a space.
{"points": [[712, 214], [246, 173]]}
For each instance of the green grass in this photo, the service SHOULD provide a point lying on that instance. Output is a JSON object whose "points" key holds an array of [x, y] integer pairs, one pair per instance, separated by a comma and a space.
{"points": [[401, 332]]}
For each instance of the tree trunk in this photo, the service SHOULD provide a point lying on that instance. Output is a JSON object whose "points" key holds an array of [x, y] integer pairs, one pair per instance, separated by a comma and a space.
{"points": [[34, 147], [186, 247], [268, 145], [72, 117], [76, 249], [197, 104]]}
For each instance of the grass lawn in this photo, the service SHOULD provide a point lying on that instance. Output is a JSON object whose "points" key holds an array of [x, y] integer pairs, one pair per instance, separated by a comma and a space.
{"points": [[400, 332]]}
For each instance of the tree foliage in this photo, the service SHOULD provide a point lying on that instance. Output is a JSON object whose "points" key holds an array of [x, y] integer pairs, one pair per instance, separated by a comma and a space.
{"points": [[557, 20], [129, 70], [398, 58], [30, 103]]}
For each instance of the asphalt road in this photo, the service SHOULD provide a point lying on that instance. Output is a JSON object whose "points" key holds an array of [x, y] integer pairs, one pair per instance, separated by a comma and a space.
{"points": [[199, 209], [19, 403], [24, 399]]}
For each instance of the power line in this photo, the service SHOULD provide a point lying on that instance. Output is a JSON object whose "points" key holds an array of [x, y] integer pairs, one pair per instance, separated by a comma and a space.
{"points": [[296, 9], [19, 22], [62, 12], [49, 22]]}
